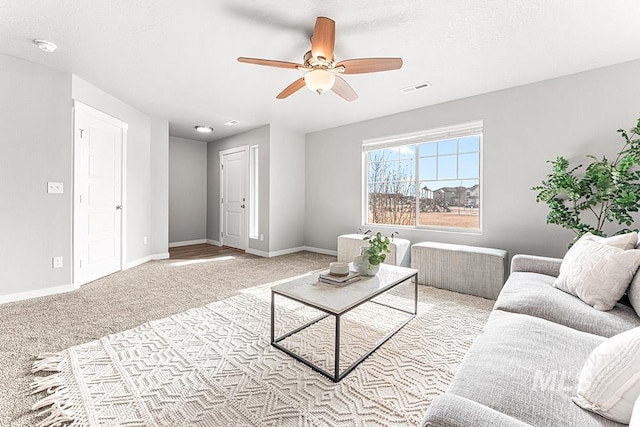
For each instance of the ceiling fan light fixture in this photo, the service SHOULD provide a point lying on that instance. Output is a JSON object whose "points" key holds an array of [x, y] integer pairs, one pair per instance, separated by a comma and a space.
{"points": [[319, 80]]}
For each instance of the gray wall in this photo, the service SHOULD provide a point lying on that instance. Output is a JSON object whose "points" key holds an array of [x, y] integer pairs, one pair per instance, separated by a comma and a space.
{"points": [[137, 205], [287, 189], [260, 137], [523, 128], [159, 186], [35, 147], [187, 190]]}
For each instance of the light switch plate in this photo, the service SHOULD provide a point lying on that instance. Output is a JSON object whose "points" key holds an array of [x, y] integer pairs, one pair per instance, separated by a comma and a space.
{"points": [[55, 188], [57, 262]]}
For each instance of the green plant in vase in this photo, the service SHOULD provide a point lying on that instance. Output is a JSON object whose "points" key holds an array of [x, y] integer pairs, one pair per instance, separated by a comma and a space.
{"points": [[368, 263]]}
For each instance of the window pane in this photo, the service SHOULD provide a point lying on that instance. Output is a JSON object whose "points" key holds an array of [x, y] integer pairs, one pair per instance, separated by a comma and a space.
{"points": [[406, 170], [469, 165], [382, 171], [407, 152], [447, 167], [428, 168], [392, 203], [428, 149], [450, 205], [469, 144], [448, 147]]}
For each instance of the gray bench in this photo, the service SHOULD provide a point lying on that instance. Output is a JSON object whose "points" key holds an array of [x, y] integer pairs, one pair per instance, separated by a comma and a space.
{"points": [[466, 269]]}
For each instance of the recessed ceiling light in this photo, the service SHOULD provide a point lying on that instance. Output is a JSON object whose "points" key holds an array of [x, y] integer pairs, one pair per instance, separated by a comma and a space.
{"points": [[45, 45], [231, 123], [414, 88], [204, 129]]}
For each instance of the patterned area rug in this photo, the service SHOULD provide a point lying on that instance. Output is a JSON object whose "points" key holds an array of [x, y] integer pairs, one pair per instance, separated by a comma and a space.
{"points": [[214, 366]]}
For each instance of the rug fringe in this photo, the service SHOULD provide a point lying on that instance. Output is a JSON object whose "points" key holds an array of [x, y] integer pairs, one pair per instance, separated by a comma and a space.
{"points": [[54, 405], [58, 415], [47, 362], [48, 384]]}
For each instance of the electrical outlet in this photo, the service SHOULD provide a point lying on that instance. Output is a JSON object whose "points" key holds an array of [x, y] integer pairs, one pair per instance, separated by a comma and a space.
{"points": [[57, 262], [144, 240], [55, 187], [261, 237]]}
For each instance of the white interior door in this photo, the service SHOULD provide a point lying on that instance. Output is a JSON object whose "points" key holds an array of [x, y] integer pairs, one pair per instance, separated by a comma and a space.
{"points": [[233, 192], [98, 150]]}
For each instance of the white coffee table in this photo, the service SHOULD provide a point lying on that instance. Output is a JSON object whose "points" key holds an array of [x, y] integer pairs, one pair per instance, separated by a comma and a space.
{"points": [[337, 301]]}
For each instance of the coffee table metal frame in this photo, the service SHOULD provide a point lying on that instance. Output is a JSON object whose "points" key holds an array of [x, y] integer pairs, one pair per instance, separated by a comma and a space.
{"points": [[337, 375]]}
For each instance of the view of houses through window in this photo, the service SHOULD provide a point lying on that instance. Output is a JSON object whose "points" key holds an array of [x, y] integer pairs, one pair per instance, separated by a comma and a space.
{"points": [[425, 184]]}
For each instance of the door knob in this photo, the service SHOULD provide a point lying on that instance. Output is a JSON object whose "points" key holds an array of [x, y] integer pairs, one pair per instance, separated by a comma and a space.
{"points": [[119, 207]]}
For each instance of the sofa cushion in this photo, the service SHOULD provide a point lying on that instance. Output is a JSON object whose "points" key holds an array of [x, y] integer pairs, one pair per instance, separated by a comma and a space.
{"points": [[635, 416], [533, 294], [609, 383], [597, 273], [449, 410], [527, 368]]}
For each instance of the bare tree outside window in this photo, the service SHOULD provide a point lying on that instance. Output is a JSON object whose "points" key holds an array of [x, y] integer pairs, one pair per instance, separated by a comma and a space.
{"points": [[427, 184]]}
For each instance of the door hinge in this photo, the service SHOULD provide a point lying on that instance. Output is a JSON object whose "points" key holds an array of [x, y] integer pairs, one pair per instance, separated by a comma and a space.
{"points": [[80, 263], [82, 133], [221, 166], [221, 199], [221, 234], [81, 198]]}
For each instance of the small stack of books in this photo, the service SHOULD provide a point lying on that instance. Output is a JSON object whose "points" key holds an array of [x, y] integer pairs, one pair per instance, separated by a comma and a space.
{"points": [[326, 277]]}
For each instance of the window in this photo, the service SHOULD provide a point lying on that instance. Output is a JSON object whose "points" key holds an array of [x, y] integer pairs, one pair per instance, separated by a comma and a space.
{"points": [[427, 179], [253, 192]]}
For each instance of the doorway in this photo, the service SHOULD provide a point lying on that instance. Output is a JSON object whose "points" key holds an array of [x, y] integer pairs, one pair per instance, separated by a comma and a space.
{"points": [[233, 197], [98, 177]]}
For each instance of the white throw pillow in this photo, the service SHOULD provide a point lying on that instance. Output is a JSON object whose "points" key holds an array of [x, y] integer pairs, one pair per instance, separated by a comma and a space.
{"points": [[635, 415], [609, 383], [598, 270]]}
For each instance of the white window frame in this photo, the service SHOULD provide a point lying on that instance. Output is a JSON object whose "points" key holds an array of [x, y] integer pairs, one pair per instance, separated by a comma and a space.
{"points": [[461, 130]]}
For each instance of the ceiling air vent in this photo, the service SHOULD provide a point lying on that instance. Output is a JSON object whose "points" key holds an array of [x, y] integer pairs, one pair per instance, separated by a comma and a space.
{"points": [[414, 88]]}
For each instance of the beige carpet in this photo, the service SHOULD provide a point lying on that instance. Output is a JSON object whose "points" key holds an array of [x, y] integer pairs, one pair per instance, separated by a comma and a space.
{"points": [[116, 303]]}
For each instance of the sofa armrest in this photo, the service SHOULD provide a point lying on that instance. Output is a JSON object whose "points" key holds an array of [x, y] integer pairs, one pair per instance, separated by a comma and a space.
{"points": [[536, 264], [450, 410]]}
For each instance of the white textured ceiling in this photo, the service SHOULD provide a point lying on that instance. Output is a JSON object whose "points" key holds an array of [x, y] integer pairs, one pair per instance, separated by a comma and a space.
{"points": [[177, 59]]}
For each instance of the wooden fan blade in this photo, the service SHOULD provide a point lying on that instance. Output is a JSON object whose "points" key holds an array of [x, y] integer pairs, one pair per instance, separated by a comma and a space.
{"points": [[291, 89], [323, 40], [369, 65], [269, 62], [342, 88]]}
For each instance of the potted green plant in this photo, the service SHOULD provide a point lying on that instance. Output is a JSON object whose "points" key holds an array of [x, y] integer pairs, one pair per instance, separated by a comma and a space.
{"points": [[368, 263], [605, 192]]}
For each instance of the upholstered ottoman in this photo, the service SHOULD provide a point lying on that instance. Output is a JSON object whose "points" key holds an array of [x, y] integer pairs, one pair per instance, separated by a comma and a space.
{"points": [[466, 269], [349, 247]]}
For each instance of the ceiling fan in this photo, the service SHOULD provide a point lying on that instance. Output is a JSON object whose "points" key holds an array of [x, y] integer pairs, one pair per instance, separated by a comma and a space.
{"points": [[322, 71]]}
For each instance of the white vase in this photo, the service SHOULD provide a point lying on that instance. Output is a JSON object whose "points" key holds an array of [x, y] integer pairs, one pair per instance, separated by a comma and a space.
{"points": [[363, 266]]}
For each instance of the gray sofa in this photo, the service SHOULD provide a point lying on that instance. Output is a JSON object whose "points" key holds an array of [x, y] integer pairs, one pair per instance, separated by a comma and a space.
{"points": [[523, 368]]}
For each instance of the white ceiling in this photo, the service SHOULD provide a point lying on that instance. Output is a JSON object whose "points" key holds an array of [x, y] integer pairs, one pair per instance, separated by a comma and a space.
{"points": [[177, 59]]}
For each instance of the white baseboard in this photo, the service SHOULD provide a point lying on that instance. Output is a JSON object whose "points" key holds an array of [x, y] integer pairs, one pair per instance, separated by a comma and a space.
{"points": [[140, 261], [19, 296], [286, 251], [321, 251], [257, 252], [187, 243], [290, 251], [137, 262], [213, 242]]}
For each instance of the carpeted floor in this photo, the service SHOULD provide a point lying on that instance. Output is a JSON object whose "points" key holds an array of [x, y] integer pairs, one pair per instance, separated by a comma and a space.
{"points": [[119, 302]]}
